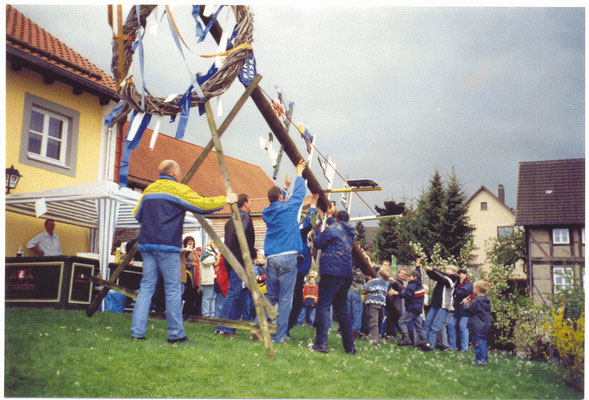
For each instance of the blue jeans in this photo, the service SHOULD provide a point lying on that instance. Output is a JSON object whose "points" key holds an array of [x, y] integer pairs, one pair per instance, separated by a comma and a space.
{"points": [[355, 307], [208, 301], [333, 291], [281, 277], [307, 314], [480, 349], [234, 304], [433, 324], [168, 264], [459, 323], [219, 301]]}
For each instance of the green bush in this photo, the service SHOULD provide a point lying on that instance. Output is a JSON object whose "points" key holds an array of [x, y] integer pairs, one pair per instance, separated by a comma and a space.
{"points": [[529, 336]]}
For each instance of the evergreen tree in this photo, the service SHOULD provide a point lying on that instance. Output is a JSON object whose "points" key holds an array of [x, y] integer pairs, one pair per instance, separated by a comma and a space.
{"points": [[430, 215], [388, 244], [455, 230], [361, 234]]}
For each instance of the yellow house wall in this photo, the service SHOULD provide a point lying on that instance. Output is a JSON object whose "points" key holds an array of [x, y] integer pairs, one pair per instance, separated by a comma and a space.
{"points": [[486, 223], [19, 229]]}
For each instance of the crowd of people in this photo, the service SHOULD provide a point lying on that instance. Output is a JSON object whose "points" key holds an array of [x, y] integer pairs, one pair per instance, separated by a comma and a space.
{"points": [[366, 307]]}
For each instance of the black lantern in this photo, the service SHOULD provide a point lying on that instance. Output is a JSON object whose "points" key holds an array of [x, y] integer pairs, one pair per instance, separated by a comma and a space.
{"points": [[12, 177]]}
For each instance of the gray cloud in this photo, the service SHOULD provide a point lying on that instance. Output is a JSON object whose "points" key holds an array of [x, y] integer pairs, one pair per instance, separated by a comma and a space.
{"points": [[391, 93]]}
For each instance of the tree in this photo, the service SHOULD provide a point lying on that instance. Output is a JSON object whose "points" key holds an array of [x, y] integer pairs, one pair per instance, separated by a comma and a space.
{"points": [[455, 229], [430, 215], [507, 250], [361, 234], [390, 234]]}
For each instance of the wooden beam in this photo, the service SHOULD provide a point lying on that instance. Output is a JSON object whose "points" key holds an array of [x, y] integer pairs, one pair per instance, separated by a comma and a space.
{"points": [[346, 190], [113, 277], [236, 218], [122, 290]]}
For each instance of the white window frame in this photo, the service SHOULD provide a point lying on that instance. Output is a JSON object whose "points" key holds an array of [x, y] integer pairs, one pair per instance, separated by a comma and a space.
{"points": [[558, 236], [47, 115], [562, 278], [68, 155], [505, 227]]}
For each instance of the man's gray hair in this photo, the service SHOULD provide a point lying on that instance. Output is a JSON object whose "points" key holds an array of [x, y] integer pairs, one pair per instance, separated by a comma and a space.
{"points": [[167, 167]]}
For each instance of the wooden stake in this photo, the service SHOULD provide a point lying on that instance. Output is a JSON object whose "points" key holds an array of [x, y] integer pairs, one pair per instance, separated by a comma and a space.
{"points": [[249, 268], [113, 277]]}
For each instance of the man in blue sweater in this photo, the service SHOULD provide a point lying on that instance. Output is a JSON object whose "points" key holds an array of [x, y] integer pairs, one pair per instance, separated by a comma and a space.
{"points": [[282, 246]]}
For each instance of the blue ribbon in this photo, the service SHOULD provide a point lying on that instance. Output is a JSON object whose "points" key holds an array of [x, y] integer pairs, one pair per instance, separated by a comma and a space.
{"points": [[130, 145], [140, 42], [184, 104], [248, 72], [202, 79], [113, 114], [200, 33]]}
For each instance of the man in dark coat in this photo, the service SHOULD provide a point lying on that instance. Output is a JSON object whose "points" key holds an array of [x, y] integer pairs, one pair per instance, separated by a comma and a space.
{"points": [[335, 271], [237, 294]]}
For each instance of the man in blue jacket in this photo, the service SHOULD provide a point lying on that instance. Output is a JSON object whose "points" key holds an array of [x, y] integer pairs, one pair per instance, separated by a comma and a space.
{"points": [[161, 211], [335, 271], [282, 246], [460, 318]]}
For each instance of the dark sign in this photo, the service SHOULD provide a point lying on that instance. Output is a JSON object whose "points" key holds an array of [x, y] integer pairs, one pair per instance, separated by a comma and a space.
{"points": [[80, 284], [34, 281]]}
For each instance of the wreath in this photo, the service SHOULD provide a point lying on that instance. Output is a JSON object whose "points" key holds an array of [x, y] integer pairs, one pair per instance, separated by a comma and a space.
{"points": [[232, 64]]}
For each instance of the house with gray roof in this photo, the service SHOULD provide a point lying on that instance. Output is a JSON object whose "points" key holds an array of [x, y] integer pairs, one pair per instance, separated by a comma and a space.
{"points": [[551, 209]]}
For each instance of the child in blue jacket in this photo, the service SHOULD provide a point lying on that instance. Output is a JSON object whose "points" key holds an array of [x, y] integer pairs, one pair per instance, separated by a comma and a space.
{"points": [[479, 320]]}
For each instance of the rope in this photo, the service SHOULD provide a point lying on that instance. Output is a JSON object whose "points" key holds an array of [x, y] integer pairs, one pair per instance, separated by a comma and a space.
{"points": [[274, 106], [215, 86]]}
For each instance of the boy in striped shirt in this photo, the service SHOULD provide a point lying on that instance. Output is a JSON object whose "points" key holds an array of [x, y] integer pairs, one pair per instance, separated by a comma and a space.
{"points": [[377, 290]]}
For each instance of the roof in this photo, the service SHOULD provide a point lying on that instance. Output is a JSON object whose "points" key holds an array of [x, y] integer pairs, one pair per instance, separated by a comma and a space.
{"points": [[27, 41], [551, 192], [207, 181], [484, 189]]}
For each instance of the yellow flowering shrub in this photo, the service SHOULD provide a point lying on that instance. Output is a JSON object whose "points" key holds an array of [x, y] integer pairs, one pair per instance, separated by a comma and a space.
{"points": [[567, 343]]}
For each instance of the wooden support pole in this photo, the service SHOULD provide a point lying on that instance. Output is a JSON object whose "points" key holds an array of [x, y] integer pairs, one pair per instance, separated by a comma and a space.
{"points": [[230, 323], [235, 264], [247, 259], [230, 117], [115, 287], [113, 277]]}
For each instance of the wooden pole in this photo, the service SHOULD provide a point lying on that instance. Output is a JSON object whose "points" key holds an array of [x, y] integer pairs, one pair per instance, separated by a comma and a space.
{"points": [[236, 265], [247, 259], [113, 277]]}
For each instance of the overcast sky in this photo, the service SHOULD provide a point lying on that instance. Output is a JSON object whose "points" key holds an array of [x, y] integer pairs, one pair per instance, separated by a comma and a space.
{"points": [[392, 93]]}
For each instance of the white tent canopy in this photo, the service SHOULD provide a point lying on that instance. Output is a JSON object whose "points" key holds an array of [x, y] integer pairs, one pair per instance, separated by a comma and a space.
{"points": [[100, 206]]}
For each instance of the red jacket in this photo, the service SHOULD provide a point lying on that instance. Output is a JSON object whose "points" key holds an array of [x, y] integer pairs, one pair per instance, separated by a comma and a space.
{"points": [[221, 276]]}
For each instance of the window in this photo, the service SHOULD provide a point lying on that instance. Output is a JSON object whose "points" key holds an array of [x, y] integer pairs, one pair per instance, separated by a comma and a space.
{"points": [[503, 231], [560, 236], [484, 206], [562, 278], [49, 135]]}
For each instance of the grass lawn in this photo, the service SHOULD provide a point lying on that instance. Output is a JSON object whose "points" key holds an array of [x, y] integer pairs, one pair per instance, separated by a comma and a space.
{"points": [[63, 353]]}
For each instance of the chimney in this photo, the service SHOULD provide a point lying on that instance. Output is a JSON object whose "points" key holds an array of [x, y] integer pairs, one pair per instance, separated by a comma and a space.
{"points": [[501, 193]]}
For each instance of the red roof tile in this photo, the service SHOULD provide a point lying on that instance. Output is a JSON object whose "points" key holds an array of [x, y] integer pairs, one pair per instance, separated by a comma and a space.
{"points": [[207, 181], [28, 37], [551, 192]]}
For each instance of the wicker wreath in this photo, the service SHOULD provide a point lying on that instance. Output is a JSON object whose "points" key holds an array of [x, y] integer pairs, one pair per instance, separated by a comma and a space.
{"points": [[215, 86]]}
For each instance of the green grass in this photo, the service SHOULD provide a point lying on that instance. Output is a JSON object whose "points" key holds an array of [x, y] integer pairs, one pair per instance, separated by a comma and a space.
{"points": [[63, 353]]}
